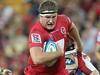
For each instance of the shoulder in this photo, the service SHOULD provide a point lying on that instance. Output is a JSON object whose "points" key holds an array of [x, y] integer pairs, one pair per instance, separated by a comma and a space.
{"points": [[36, 26], [64, 18]]}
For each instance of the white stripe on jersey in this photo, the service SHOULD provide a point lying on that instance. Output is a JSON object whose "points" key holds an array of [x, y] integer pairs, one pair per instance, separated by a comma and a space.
{"points": [[89, 65]]}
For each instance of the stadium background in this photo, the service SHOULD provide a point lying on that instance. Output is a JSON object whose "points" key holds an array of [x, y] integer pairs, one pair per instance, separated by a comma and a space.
{"points": [[17, 17]]}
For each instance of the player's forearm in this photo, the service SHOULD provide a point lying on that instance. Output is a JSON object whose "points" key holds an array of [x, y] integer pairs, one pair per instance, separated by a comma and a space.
{"points": [[46, 57], [75, 35], [39, 57]]}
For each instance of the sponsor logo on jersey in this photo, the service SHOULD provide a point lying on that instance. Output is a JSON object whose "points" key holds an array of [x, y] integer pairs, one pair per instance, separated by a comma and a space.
{"points": [[35, 38]]}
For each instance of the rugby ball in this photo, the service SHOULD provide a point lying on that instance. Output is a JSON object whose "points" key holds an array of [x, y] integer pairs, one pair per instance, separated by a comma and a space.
{"points": [[50, 46]]}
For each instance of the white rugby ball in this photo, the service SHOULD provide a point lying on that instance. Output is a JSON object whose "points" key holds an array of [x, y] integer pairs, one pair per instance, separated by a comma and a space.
{"points": [[50, 46]]}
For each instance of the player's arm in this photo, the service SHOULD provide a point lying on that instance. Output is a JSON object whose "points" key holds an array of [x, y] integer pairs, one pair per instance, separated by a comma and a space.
{"points": [[75, 35], [40, 57]]}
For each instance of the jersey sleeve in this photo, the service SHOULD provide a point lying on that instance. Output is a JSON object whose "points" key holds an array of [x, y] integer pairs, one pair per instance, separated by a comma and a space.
{"points": [[35, 39], [82, 65]]}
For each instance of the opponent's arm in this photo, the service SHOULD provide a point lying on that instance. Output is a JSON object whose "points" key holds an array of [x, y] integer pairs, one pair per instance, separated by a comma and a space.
{"points": [[40, 57]]}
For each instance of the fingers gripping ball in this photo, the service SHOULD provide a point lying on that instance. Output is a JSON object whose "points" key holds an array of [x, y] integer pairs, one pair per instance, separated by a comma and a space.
{"points": [[50, 46]]}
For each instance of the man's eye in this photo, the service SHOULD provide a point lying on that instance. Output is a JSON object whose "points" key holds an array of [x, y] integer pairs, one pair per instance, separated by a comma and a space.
{"points": [[50, 16], [53, 16], [47, 16]]}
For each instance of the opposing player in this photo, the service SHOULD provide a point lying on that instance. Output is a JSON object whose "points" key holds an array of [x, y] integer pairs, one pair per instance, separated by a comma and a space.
{"points": [[72, 62], [50, 26]]}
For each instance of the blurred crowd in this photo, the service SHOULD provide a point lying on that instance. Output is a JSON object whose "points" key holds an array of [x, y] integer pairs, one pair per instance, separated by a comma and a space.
{"points": [[14, 30]]}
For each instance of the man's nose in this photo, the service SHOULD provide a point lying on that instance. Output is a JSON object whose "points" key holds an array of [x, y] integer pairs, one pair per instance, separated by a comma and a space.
{"points": [[50, 20]]}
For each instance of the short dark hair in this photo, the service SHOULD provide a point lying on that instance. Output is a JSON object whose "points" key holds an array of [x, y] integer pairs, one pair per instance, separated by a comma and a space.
{"points": [[48, 5]]}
